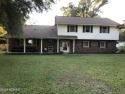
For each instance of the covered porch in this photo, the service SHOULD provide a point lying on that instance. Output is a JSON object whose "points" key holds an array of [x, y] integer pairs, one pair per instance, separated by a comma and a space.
{"points": [[34, 45], [23, 45], [40, 39]]}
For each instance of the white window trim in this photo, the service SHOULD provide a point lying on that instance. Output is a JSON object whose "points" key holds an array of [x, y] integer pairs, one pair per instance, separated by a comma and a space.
{"points": [[50, 48], [104, 44], [106, 29], [75, 28], [88, 44], [89, 29]]}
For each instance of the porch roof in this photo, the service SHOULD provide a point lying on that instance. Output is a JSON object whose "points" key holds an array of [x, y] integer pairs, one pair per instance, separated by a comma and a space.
{"points": [[41, 31]]}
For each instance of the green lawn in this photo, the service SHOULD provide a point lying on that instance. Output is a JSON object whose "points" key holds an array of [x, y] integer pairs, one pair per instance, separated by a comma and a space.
{"points": [[62, 74]]}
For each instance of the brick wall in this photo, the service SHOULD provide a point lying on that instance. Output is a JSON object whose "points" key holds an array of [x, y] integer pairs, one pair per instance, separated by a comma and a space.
{"points": [[95, 47], [49, 42]]}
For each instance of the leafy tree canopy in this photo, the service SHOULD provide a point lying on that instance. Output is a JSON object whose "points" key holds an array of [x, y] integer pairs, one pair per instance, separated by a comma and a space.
{"points": [[2, 31], [121, 28], [85, 8], [14, 13], [122, 35]]}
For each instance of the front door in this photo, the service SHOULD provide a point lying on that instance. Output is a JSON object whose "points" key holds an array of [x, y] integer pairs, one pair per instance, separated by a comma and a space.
{"points": [[65, 46]]}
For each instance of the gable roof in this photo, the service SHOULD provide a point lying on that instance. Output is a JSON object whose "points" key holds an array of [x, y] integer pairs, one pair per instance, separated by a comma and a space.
{"points": [[84, 21], [42, 31]]}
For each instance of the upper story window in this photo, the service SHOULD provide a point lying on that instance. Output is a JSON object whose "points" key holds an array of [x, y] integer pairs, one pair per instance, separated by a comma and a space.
{"points": [[104, 29], [72, 28], [87, 29]]}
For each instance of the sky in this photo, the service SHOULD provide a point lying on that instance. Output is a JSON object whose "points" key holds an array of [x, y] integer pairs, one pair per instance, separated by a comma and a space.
{"points": [[114, 10]]}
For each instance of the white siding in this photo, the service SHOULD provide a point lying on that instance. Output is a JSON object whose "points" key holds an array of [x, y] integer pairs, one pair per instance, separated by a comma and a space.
{"points": [[96, 35]]}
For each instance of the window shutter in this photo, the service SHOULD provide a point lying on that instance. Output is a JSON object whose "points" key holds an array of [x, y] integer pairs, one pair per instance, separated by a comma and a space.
{"points": [[100, 29], [89, 43], [81, 43], [83, 29], [108, 29], [106, 43], [67, 28], [76, 28], [91, 29], [99, 44]]}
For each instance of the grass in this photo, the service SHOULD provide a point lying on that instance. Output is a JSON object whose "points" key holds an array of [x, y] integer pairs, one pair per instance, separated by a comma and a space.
{"points": [[62, 74]]}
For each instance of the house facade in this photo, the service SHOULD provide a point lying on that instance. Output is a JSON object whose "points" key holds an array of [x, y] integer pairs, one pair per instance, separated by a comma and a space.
{"points": [[68, 35]]}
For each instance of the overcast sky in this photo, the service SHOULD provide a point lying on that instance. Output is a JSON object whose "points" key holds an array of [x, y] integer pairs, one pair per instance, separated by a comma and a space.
{"points": [[114, 10]]}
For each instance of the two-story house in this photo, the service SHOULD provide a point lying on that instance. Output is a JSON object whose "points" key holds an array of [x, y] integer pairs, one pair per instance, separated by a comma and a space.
{"points": [[68, 35]]}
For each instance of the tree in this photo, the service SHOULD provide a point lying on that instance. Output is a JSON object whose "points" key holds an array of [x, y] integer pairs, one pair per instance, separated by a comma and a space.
{"points": [[14, 13], [122, 35], [2, 31], [71, 10], [85, 8], [121, 28]]}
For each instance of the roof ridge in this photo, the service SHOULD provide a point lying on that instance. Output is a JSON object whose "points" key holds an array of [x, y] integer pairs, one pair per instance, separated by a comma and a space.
{"points": [[84, 17], [40, 25]]}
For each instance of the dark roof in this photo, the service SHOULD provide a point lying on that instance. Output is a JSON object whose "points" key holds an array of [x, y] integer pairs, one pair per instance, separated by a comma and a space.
{"points": [[41, 31], [84, 21]]}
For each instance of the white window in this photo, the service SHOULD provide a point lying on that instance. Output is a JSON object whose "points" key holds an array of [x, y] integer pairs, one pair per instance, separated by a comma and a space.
{"points": [[72, 28], [85, 43], [104, 29], [50, 48], [87, 29], [102, 44]]}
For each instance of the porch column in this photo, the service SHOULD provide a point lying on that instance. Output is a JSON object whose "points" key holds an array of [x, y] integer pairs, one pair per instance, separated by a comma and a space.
{"points": [[57, 45], [24, 43], [73, 45], [41, 46], [7, 45]]}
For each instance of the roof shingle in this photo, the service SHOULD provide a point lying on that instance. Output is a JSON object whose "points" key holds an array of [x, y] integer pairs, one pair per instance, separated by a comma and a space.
{"points": [[41, 31], [84, 21]]}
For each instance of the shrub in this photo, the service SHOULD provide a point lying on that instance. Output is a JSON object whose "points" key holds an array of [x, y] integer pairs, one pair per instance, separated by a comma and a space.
{"points": [[3, 47]]}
